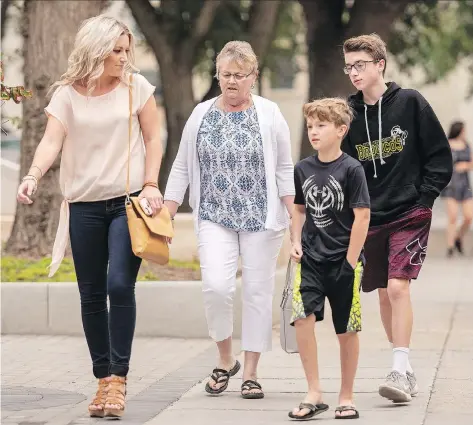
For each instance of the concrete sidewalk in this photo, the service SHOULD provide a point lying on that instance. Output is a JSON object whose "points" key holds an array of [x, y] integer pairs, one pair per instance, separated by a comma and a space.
{"points": [[46, 380]]}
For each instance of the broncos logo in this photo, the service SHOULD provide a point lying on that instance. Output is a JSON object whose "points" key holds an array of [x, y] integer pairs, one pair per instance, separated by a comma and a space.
{"points": [[398, 133], [319, 199]]}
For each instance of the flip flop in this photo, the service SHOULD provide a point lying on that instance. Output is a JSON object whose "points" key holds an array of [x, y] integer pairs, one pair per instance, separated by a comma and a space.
{"points": [[341, 409], [314, 410], [221, 376], [251, 385]]}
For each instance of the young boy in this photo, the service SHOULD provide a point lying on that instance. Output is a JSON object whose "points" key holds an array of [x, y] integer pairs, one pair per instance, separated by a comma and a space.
{"points": [[329, 226], [407, 161]]}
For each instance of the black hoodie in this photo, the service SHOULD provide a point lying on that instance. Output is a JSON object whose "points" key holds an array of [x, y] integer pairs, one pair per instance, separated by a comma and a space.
{"points": [[416, 160]]}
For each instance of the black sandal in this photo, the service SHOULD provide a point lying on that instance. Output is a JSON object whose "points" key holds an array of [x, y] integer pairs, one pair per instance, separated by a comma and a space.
{"points": [[251, 385], [314, 409], [221, 376], [341, 409]]}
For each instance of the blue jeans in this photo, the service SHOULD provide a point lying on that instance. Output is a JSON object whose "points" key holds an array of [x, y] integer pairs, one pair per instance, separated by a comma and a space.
{"points": [[105, 265]]}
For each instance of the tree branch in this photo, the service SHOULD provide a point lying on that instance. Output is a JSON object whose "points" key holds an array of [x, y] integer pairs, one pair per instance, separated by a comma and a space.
{"points": [[200, 28], [324, 24], [261, 24], [145, 16], [365, 19], [204, 21]]}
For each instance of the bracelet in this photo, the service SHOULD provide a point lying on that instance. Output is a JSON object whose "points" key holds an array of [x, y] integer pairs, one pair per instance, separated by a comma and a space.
{"points": [[30, 177], [35, 166], [152, 184]]}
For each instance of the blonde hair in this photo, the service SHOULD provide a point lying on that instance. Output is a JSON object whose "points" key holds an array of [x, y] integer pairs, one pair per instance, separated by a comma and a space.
{"points": [[94, 42], [239, 51], [371, 44], [329, 109]]}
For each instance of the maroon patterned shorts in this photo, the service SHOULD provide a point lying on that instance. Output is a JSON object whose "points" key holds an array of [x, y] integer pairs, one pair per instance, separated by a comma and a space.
{"points": [[397, 249]]}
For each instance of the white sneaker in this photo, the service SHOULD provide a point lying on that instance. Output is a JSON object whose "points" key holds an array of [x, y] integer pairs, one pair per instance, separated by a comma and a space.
{"points": [[396, 388], [411, 378]]}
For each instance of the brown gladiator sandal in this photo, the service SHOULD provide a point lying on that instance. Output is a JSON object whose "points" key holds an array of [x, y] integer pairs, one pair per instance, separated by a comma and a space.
{"points": [[116, 397], [99, 400]]}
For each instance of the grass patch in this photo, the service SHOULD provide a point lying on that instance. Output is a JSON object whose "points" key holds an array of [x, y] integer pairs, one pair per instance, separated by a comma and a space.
{"points": [[14, 269]]}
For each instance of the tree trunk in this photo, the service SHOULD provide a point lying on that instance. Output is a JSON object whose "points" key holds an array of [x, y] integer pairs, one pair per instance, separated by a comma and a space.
{"points": [[179, 100], [214, 89], [325, 35], [3, 15], [49, 30]]}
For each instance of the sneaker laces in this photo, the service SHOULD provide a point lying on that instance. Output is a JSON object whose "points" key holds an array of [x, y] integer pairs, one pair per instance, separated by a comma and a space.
{"points": [[395, 376]]}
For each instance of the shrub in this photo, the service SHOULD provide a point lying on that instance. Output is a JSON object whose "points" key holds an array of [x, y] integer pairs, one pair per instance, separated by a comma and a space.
{"points": [[24, 270]]}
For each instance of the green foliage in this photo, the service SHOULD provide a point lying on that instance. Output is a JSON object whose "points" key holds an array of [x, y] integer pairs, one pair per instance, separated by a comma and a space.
{"points": [[435, 36], [289, 40], [23, 270], [231, 23]]}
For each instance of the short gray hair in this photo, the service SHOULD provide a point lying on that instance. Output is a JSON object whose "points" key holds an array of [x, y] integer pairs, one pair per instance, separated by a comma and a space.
{"points": [[239, 51]]}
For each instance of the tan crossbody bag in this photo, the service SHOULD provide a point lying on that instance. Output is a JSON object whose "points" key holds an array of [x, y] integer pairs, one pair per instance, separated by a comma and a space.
{"points": [[148, 234]]}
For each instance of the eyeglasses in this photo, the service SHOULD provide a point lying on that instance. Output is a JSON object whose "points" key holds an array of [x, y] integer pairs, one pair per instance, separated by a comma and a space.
{"points": [[358, 65], [238, 76]]}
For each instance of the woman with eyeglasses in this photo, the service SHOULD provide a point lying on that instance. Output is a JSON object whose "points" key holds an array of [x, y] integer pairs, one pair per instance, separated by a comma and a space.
{"points": [[235, 154]]}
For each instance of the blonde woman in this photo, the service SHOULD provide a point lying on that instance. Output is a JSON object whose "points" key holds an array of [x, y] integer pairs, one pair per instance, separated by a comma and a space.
{"points": [[235, 154], [88, 120]]}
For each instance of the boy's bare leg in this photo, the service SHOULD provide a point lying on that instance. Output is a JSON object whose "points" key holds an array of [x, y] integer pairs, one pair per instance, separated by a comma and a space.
{"points": [[307, 345], [349, 352], [386, 312], [400, 297]]}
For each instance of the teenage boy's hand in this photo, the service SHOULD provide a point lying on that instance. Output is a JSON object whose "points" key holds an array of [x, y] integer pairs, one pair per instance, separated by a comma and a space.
{"points": [[296, 252]]}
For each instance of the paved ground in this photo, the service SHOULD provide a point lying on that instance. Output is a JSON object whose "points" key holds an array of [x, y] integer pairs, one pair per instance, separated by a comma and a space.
{"points": [[46, 380]]}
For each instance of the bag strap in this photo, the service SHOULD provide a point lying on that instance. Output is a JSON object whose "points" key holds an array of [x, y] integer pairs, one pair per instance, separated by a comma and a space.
{"points": [[288, 285], [130, 118]]}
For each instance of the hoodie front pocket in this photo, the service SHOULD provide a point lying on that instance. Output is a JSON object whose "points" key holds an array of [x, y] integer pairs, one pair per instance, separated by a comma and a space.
{"points": [[392, 198]]}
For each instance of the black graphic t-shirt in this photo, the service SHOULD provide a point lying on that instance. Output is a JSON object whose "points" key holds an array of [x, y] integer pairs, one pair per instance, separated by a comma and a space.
{"points": [[329, 191]]}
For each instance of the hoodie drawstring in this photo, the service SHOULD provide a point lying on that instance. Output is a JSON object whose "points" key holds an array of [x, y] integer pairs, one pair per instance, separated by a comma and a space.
{"points": [[382, 161], [379, 132]]}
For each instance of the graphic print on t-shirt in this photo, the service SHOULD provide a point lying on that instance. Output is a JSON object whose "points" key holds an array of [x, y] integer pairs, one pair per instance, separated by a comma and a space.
{"points": [[320, 199], [329, 191]]}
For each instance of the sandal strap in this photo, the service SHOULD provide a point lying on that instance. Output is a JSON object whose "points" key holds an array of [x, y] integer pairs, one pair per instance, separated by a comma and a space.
{"points": [[101, 394], [250, 385], [117, 391], [345, 408], [309, 406], [220, 376]]}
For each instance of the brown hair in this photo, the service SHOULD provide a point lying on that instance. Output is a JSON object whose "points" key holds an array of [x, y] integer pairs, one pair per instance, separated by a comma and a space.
{"points": [[330, 109], [371, 44]]}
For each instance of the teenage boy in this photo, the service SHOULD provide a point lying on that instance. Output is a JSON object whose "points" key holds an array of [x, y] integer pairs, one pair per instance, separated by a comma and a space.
{"points": [[329, 226], [407, 161]]}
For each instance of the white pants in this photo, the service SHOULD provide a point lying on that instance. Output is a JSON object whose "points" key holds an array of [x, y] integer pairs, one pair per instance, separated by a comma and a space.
{"points": [[219, 249]]}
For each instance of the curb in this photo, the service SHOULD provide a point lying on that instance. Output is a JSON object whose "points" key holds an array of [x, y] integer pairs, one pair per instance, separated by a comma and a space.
{"points": [[164, 309]]}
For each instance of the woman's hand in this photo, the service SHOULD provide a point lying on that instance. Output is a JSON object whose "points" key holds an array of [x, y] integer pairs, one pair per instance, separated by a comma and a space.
{"points": [[296, 252], [153, 197], [25, 190], [462, 166]]}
